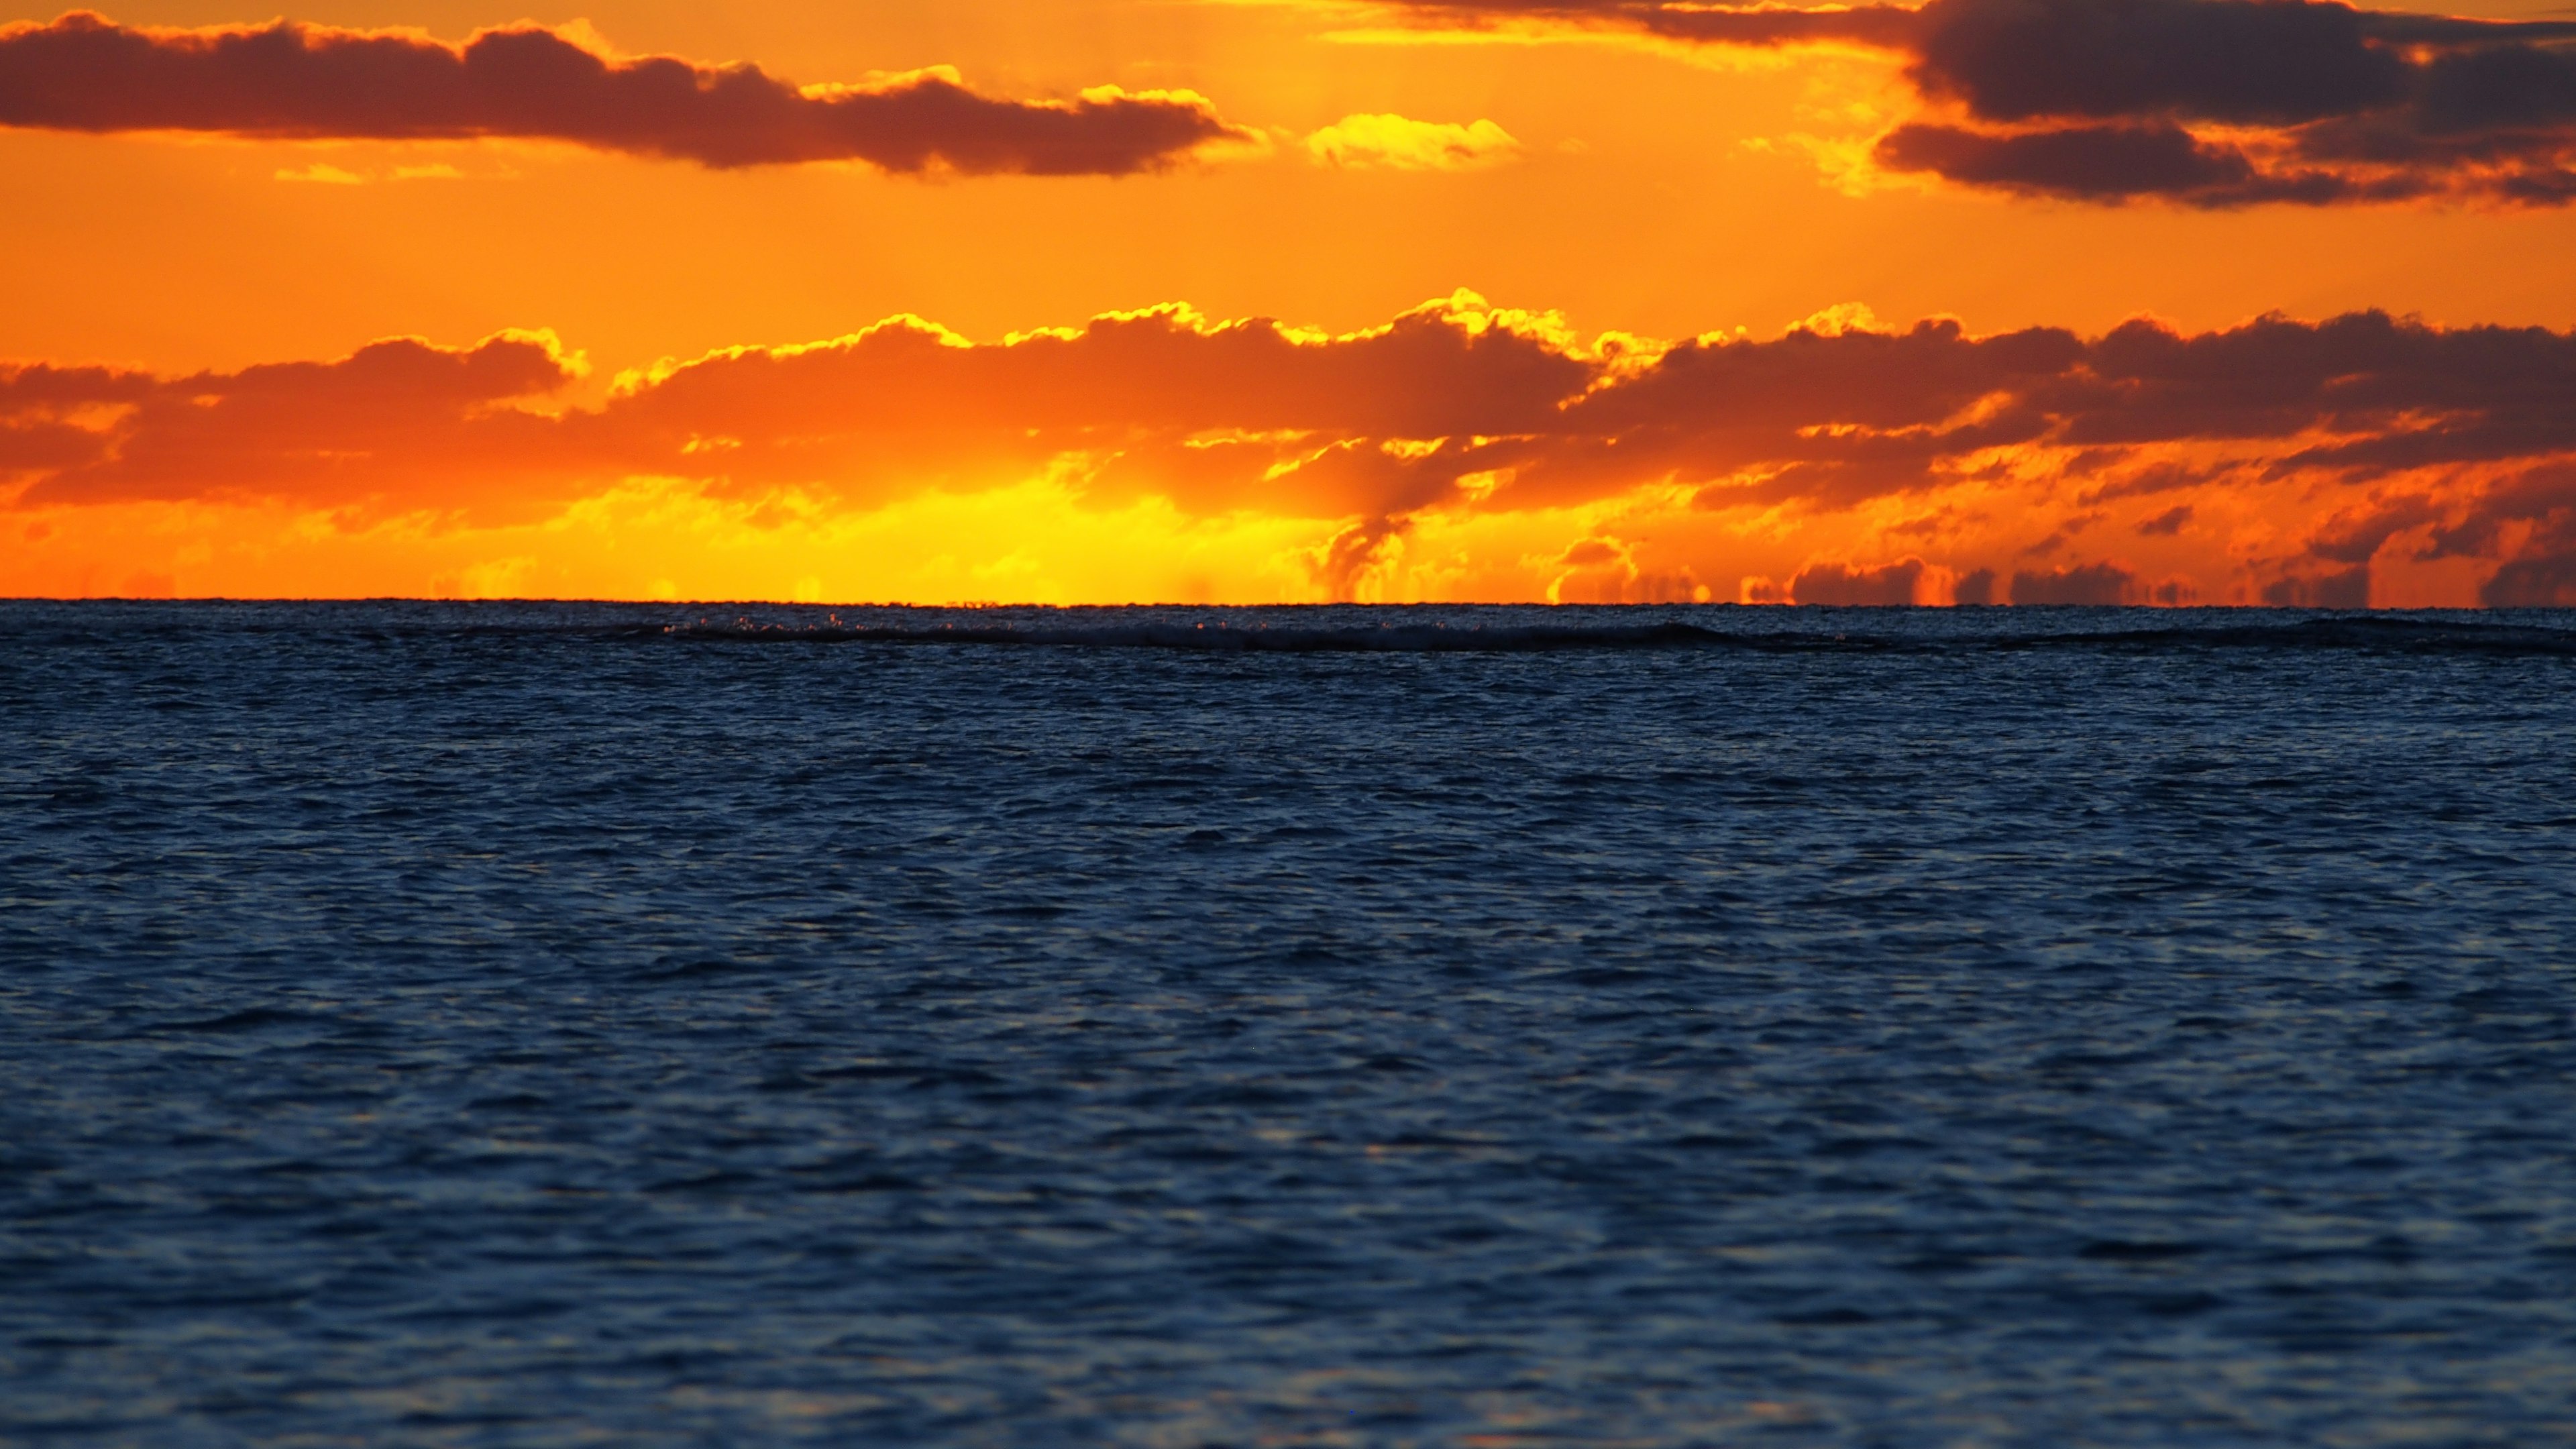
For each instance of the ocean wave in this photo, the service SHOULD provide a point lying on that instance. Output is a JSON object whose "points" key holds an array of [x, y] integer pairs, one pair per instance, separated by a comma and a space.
{"points": [[1325, 629], [1892, 632], [1230, 638]]}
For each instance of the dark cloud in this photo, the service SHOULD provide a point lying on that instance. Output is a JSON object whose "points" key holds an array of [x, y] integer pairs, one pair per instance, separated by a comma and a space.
{"points": [[2266, 63], [1240, 413], [2356, 539], [1829, 419], [1883, 26], [2542, 497], [2093, 99], [2341, 589], [2547, 582], [86, 73], [1215, 415], [35, 446], [2102, 163], [2097, 583], [2391, 393], [43, 409], [2526, 518], [2104, 100], [2166, 524], [1755, 25], [1835, 583], [41, 385], [431, 425]]}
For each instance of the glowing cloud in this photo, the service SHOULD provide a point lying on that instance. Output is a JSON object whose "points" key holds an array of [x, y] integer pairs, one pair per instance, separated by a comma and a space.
{"points": [[1461, 450], [1398, 144]]}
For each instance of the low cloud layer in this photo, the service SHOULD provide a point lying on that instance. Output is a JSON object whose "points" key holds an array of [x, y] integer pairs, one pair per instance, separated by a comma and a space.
{"points": [[2208, 103], [2279, 459], [84, 72]]}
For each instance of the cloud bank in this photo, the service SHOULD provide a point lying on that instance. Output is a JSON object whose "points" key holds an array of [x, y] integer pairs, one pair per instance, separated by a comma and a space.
{"points": [[2279, 459], [2206, 103], [84, 72]]}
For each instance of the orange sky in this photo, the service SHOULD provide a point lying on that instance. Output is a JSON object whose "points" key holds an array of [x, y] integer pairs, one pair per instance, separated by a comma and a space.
{"points": [[1487, 241]]}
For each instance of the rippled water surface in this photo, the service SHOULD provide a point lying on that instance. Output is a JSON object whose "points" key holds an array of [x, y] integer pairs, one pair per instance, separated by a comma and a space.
{"points": [[530, 1025]]}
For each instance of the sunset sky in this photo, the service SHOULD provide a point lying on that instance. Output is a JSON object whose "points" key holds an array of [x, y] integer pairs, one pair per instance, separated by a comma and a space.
{"points": [[1063, 301]]}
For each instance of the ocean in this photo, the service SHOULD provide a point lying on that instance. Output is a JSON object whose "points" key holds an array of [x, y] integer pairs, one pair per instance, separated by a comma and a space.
{"points": [[530, 1024]]}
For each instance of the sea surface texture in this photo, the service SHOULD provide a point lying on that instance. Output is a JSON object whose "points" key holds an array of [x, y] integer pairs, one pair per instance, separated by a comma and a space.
{"points": [[497, 1025]]}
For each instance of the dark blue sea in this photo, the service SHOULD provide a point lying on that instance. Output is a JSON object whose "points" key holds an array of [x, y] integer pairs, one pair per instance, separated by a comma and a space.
{"points": [[500, 1025]]}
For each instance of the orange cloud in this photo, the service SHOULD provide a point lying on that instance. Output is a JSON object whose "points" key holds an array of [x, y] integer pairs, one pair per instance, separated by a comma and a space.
{"points": [[1907, 581], [84, 72], [400, 419], [1459, 451]]}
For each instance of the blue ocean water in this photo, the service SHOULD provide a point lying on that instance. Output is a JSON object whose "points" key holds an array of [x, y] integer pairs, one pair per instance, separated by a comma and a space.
{"points": [[536, 1024]]}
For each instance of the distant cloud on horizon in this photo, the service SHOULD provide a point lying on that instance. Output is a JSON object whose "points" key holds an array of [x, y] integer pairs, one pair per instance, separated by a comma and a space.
{"points": [[2326, 443]]}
